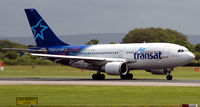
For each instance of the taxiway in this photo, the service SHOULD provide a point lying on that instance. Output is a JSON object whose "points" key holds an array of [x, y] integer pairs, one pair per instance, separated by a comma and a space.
{"points": [[112, 82]]}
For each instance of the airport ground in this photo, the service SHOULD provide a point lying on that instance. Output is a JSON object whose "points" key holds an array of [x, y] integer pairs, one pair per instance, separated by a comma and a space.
{"points": [[94, 95]]}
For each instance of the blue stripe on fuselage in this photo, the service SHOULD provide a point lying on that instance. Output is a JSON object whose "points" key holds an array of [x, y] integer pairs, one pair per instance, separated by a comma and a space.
{"points": [[72, 50]]}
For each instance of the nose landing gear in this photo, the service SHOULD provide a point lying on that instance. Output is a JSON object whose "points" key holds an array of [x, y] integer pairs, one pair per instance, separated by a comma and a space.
{"points": [[168, 72], [169, 77]]}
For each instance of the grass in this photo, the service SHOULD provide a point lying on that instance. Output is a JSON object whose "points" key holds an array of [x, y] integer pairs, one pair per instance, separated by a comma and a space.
{"points": [[58, 71], [52, 71], [55, 95]]}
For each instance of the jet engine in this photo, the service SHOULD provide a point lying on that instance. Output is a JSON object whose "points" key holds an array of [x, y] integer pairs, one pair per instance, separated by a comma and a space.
{"points": [[157, 71], [116, 68]]}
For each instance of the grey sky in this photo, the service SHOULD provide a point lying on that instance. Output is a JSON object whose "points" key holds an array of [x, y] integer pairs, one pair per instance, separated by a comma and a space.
{"points": [[68, 17]]}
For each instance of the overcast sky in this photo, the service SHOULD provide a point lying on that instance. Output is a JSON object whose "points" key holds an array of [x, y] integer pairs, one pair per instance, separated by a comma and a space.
{"points": [[67, 17]]}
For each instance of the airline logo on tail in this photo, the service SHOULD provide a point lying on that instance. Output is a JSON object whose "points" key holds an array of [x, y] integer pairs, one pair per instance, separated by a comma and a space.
{"points": [[38, 30]]}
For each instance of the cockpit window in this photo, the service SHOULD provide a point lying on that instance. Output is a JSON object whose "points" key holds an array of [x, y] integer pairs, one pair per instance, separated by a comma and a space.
{"points": [[180, 50]]}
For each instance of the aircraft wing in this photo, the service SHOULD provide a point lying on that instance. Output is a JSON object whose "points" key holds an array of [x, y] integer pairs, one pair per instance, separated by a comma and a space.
{"points": [[29, 50], [85, 58]]}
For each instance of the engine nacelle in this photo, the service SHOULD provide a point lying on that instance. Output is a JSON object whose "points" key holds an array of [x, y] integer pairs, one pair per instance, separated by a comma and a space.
{"points": [[158, 71], [116, 68]]}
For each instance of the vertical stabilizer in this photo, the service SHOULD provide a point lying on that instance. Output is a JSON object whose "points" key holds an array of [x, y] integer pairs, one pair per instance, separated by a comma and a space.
{"points": [[44, 36]]}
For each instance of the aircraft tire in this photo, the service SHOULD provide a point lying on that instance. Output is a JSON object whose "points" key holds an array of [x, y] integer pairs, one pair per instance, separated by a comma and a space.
{"points": [[94, 76], [169, 77], [102, 76], [130, 76], [127, 76], [98, 76]]}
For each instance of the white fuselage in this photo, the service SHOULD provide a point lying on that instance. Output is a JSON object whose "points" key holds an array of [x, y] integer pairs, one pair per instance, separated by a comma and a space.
{"points": [[146, 55]]}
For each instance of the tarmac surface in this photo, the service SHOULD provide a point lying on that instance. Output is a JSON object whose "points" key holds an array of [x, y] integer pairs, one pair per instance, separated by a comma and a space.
{"points": [[112, 82]]}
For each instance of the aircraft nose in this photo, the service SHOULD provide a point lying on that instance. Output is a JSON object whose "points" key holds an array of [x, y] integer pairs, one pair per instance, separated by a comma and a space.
{"points": [[191, 56]]}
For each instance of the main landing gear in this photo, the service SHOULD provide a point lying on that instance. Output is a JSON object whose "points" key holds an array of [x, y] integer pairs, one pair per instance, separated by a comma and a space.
{"points": [[127, 76], [98, 76], [169, 76]]}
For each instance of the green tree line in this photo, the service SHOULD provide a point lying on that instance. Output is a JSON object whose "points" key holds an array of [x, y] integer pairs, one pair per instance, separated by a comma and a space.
{"points": [[13, 58]]}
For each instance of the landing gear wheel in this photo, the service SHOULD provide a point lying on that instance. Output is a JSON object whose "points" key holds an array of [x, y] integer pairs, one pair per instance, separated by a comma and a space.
{"points": [[130, 76], [94, 76], [127, 76], [169, 77], [98, 76], [102, 77]]}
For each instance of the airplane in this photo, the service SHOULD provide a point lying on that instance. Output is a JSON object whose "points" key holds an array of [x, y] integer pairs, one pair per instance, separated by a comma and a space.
{"points": [[112, 59]]}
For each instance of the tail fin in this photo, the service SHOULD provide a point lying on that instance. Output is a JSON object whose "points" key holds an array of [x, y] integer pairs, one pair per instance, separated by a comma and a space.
{"points": [[42, 33]]}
